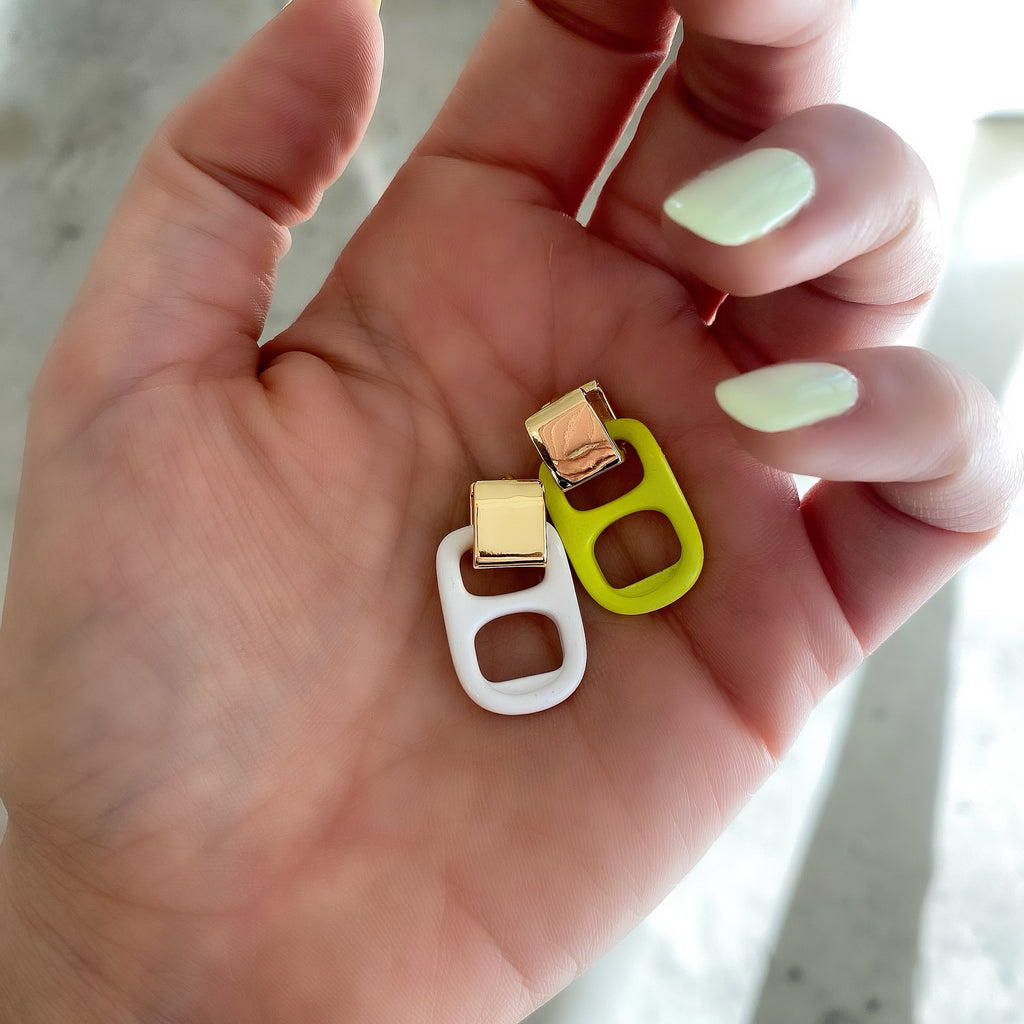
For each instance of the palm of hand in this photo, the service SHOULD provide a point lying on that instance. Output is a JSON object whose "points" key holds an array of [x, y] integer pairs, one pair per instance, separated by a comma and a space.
{"points": [[255, 734]]}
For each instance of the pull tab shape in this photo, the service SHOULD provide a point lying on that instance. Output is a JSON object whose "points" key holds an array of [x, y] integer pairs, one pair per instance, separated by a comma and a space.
{"points": [[465, 614], [658, 492]]}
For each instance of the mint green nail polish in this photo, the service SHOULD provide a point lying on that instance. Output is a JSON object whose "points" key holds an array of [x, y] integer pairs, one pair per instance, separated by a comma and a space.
{"points": [[745, 198]]}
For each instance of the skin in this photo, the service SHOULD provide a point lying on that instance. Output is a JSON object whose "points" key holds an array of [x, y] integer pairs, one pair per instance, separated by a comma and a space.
{"points": [[243, 781]]}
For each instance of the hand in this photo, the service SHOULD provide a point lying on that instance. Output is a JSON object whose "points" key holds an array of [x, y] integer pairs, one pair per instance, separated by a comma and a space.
{"points": [[242, 778]]}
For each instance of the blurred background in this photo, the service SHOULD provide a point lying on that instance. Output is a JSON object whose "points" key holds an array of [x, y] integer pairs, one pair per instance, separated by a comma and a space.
{"points": [[879, 877]]}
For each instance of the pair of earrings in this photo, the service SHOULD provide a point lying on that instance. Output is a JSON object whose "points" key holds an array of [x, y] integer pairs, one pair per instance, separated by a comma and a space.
{"points": [[578, 438]]}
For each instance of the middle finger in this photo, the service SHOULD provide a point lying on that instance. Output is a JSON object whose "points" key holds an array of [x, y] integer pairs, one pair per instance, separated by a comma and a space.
{"points": [[742, 66]]}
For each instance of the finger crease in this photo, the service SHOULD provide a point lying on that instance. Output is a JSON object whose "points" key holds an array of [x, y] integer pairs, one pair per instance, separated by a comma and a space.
{"points": [[742, 712], [704, 111], [271, 201], [591, 31]]}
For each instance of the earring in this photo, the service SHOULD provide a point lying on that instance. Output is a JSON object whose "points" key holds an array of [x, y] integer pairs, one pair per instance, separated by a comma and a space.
{"points": [[578, 437], [508, 528]]}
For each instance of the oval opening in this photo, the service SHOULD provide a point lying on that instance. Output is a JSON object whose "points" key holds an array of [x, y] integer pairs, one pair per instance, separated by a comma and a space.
{"points": [[635, 547], [514, 646]]}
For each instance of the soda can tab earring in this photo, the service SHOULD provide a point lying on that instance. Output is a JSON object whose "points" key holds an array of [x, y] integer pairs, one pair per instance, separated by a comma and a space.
{"points": [[509, 528], [578, 438]]}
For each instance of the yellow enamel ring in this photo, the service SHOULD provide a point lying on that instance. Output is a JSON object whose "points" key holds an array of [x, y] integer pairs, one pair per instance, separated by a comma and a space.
{"points": [[658, 491]]}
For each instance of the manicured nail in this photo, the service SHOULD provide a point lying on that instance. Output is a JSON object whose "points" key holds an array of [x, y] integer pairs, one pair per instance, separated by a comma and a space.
{"points": [[745, 198], [788, 395]]}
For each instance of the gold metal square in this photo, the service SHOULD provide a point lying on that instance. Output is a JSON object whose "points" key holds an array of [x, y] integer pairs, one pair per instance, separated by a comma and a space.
{"points": [[571, 436], [508, 518]]}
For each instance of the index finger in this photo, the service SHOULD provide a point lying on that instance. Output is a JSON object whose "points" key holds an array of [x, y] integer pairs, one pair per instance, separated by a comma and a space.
{"points": [[548, 90]]}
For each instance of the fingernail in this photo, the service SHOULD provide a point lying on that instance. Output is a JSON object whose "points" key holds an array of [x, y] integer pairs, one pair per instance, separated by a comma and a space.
{"points": [[788, 395], [745, 198]]}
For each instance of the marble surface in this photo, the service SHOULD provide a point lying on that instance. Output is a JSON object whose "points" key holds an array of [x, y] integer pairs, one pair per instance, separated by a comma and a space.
{"points": [[878, 878]]}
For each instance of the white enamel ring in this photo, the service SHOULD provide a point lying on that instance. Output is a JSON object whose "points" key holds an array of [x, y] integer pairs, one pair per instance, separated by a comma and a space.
{"points": [[465, 614]]}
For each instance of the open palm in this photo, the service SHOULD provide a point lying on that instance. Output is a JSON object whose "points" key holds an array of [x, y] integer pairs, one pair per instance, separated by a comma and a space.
{"points": [[243, 780]]}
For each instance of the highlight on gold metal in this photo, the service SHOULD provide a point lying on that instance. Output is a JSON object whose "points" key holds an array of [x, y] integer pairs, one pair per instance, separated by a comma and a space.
{"points": [[571, 436], [508, 518]]}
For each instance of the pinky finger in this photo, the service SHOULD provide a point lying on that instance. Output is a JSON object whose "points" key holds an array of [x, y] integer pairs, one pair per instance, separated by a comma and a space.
{"points": [[918, 468]]}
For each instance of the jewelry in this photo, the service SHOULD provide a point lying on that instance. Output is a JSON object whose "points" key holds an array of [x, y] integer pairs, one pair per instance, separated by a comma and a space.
{"points": [[508, 528], [577, 436]]}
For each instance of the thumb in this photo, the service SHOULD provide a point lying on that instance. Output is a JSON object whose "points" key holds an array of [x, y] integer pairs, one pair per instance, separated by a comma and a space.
{"points": [[181, 283]]}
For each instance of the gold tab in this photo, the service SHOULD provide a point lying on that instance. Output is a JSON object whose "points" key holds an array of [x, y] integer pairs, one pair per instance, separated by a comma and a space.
{"points": [[571, 436], [508, 518]]}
